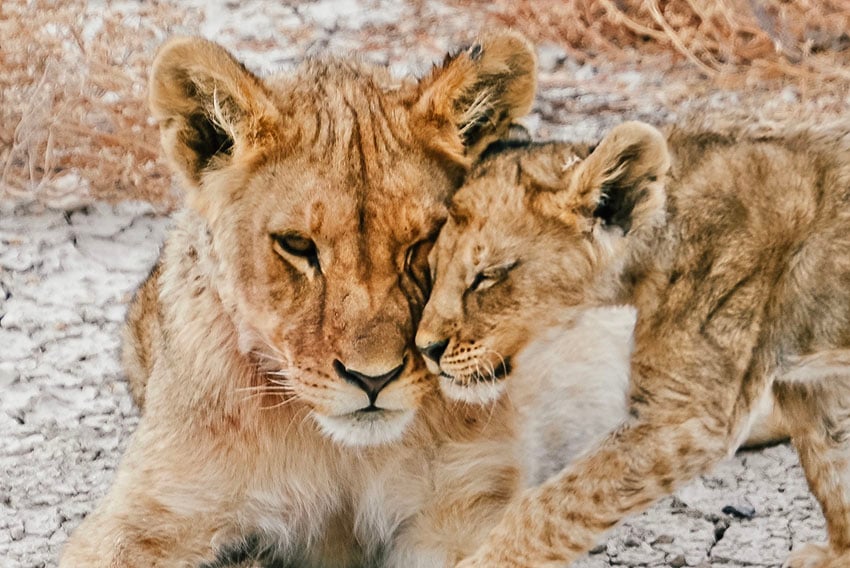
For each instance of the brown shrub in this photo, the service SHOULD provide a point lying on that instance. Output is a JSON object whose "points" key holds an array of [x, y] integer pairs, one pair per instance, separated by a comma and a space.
{"points": [[73, 119], [756, 40], [74, 123]]}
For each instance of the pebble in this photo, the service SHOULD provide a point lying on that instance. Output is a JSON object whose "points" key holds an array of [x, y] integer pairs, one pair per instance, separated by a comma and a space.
{"points": [[740, 510], [8, 374]]}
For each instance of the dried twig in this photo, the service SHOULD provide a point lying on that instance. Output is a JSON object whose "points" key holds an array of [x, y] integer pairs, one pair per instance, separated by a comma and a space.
{"points": [[74, 120]]}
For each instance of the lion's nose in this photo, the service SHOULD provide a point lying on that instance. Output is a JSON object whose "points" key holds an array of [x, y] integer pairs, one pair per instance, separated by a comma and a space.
{"points": [[371, 385], [435, 350]]}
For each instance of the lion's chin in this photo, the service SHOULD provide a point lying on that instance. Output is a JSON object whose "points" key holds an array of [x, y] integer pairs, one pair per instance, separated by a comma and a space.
{"points": [[360, 429], [474, 392]]}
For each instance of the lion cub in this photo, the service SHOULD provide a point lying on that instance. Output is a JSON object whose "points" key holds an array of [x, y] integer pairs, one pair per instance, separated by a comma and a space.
{"points": [[735, 250]]}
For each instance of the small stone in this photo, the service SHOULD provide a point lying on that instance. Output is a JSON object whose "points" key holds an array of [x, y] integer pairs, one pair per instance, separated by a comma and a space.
{"points": [[550, 56], [8, 374], [740, 510], [677, 561], [664, 539], [598, 549], [17, 531]]}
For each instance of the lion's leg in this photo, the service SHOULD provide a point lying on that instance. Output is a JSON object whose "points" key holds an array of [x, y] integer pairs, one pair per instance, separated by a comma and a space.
{"points": [[168, 507], [552, 525], [815, 398], [767, 424]]}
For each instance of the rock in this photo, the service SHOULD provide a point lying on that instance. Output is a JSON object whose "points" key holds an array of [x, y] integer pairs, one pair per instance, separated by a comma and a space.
{"points": [[550, 56], [740, 510], [598, 549], [8, 374]]}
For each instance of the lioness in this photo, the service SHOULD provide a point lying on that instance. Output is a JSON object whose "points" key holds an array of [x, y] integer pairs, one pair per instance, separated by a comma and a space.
{"points": [[735, 250], [286, 416]]}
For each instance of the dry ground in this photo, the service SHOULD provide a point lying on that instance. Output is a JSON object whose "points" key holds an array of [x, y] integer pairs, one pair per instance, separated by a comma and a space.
{"points": [[73, 131]]}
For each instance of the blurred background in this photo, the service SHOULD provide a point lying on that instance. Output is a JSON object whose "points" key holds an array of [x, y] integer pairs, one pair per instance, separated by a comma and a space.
{"points": [[74, 124]]}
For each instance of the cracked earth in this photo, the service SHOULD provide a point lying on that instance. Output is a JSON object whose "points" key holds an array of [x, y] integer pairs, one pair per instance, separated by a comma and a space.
{"points": [[66, 276]]}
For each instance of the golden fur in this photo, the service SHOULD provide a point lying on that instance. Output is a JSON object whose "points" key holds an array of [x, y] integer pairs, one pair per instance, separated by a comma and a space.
{"points": [[734, 248], [290, 286]]}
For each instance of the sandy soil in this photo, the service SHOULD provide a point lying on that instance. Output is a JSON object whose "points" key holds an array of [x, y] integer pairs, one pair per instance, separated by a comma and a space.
{"points": [[65, 278]]}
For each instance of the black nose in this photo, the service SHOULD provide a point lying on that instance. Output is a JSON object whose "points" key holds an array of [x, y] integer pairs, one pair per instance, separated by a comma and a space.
{"points": [[435, 350], [370, 385]]}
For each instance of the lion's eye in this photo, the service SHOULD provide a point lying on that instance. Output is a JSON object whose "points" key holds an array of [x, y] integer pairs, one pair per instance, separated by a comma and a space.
{"points": [[491, 276], [416, 263], [299, 246]]}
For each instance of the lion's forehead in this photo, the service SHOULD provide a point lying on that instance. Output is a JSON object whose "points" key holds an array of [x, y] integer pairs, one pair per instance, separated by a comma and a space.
{"points": [[336, 212], [354, 165], [339, 109]]}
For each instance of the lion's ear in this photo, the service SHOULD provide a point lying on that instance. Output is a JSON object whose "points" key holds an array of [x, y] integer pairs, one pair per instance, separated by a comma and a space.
{"points": [[210, 108], [472, 98], [622, 181]]}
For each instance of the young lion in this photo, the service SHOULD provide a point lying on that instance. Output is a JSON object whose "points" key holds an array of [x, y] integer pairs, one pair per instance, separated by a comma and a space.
{"points": [[285, 416], [735, 250]]}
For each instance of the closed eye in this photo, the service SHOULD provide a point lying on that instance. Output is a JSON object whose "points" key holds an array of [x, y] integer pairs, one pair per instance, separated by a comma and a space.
{"points": [[416, 264], [491, 276]]}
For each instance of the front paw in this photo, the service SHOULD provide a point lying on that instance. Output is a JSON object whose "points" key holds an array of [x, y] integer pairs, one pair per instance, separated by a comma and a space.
{"points": [[817, 556]]}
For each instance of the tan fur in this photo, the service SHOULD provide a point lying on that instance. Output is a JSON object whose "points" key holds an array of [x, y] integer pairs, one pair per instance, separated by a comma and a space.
{"points": [[735, 249], [252, 443]]}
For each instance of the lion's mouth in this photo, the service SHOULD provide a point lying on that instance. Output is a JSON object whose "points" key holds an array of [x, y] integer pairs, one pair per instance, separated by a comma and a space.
{"points": [[372, 412], [500, 371], [367, 426]]}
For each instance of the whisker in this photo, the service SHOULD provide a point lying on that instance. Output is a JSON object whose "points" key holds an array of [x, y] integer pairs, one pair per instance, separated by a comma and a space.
{"points": [[491, 370], [497, 354], [259, 388], [279, 373], [491, 411], [477, 367], [281, 404], [294, 418], [261, 394], [267, 356]]}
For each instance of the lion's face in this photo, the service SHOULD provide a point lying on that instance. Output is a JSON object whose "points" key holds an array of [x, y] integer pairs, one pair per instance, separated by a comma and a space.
{"points": [[323, 194], [330, 275], [534, 236]]}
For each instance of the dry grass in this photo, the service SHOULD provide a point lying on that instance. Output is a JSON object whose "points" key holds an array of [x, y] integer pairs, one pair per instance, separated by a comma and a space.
{"points": [[749, 42], [73, 120], [74, 123]]}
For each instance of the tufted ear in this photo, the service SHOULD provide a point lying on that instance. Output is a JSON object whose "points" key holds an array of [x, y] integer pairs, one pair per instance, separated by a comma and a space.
{"points": [[473, 97], [621, 181], [210, 108]]}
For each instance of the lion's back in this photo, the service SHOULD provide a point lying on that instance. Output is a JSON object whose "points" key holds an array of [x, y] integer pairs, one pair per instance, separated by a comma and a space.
{"points": [[141, 336]]}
